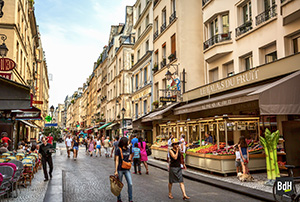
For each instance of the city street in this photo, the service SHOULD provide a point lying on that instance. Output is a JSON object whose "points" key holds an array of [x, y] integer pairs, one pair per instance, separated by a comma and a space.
{"points": [[87, 179]]}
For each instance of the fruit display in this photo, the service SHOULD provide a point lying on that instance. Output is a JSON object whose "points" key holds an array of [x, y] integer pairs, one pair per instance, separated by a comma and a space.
{"points": [[162, 144]]}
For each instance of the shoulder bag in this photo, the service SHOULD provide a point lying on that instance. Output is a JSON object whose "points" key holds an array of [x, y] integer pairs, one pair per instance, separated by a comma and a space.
{"points": [[125, 165], [148, 150]]}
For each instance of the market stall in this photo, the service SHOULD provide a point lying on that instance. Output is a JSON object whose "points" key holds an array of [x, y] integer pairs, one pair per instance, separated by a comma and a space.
{"points": [[219, 156]]}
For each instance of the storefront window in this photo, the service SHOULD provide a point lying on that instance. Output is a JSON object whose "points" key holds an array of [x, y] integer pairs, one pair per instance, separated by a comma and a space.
{"points": [[269, 122]]}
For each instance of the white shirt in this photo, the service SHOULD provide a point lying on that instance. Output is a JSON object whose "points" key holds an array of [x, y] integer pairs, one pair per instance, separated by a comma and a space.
{"points": [[237, 155], [98, 142], [69, 142], [183, 145]]}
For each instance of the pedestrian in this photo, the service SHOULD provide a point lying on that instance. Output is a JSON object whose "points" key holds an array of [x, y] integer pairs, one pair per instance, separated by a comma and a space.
{"points": [[175, 171], [171, 137], [208, 139], [50, 139], [21, 150], [106, 145], [182, 147], [75, 146], [68, 143], [91, 145], [243, 149], [3, 148], [115, 146], [86, 142], [134, 140], [45, 156], [136, 158], [144, 158], [98, 147], [123, 153], [238, 164]]}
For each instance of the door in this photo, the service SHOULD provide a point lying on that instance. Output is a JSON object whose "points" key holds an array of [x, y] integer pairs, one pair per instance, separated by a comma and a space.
{"points": [[291, 136]]}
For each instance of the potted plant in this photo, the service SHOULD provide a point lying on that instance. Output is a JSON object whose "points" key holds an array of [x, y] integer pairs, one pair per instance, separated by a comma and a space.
{"points": [[171, 57], [155, 68], [155, 104]]}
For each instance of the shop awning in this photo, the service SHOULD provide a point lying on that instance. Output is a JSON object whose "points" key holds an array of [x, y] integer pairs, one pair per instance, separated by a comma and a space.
{"points": [[111, 126], [219, 101], [13, 95], [29, 114], [159, 114], [90, 128], [28, 124], [281, 97], [104, 126]]}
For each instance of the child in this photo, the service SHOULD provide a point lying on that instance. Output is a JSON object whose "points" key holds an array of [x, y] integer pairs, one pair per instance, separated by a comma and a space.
{"points": [[238, 164], [136, 158], [243, 148]]}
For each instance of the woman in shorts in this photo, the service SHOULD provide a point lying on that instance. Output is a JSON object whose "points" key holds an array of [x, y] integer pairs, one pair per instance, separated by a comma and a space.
{"points": [[75, 146], [98, 146]]}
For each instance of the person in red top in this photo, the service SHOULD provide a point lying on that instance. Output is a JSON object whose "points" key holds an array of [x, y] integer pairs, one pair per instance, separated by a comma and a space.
{"points": [[50, 139], [5, 139]]}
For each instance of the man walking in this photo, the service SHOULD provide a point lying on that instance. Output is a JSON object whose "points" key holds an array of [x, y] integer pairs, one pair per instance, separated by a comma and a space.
{"points": [[45, 156], [68, 143]]}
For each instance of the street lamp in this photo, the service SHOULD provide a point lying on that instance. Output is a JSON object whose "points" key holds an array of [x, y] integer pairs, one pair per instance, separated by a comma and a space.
{"points": [[123, 110], [52, 110], [3, 48]]}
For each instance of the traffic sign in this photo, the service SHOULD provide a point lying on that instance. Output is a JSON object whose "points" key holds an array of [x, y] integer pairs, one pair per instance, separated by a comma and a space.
{"points": [[50, 124], [48, 118]]}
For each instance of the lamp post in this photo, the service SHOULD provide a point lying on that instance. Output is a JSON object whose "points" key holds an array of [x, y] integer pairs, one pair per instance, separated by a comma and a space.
{"points": [[123, 110], [3, 48], [52, 110]]}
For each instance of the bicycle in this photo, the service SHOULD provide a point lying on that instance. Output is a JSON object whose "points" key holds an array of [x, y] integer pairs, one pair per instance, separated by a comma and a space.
{"points": [[286, 198]]}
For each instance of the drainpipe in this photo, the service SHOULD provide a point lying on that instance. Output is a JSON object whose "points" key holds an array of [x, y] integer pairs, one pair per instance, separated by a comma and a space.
{"points": [[151, 80]]}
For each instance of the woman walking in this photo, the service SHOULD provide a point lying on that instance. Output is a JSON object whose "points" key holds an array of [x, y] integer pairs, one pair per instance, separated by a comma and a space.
{"points": [[98, 147], [175, 171], [75, 146], [144, 158], [123, 153], [91, 146], [243, 148]]}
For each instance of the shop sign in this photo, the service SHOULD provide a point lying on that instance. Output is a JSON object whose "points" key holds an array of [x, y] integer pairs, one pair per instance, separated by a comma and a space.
{"points": [[37, 102], [252, 126], [6, 75], [141, 94], [7, 64], [241, 126], [202, 128], [211, 127], [284, 186], [221, 127], [168, 99]]}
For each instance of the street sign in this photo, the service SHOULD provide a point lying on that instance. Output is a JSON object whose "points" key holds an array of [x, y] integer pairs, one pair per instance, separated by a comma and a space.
{"points": [[167, 99], [7, 64], [48, 118], [6, 75], [37, 102], [50, 124]]}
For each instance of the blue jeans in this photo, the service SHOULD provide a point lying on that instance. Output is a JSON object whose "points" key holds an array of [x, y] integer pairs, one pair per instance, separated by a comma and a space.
{"points": [[129, 182]]}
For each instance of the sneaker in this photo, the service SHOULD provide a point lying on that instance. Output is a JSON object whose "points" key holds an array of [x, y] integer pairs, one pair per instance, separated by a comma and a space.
{"points": [[133, 172], [50, 174], [68, 156], [46, 179], [140, 173]]}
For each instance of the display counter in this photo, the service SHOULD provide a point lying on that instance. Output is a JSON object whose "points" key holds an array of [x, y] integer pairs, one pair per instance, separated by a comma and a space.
{"points": [[223, 164], [215, 163]]}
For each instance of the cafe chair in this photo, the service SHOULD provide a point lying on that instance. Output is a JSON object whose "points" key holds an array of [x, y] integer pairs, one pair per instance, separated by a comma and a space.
{"points": [[18, 174], [9, 158], [20, 156], [7, 173], [27, 174]]}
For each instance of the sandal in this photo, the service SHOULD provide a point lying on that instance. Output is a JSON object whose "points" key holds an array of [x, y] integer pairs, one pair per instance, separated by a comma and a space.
{"points": [[185, 198], [170, 196]]}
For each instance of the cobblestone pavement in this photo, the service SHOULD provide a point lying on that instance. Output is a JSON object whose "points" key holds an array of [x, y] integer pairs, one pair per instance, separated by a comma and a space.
{"points": [[87, 180]]}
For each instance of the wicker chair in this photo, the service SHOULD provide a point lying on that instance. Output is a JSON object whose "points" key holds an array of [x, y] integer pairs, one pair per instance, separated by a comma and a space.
{"points": [[9, 158], [18, 174], [7, 173], [27, 174], [20, 156]]}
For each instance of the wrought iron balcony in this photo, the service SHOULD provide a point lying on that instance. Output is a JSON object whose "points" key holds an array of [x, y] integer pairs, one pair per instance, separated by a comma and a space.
{"points": [[266, 15], [172, 17], [247, 26], [217, 39], [172, 56], [155, 35], [163, 27], [163, 63], [204, 2]]}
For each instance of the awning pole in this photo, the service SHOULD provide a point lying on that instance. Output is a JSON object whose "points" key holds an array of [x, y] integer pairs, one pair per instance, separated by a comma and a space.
{"points": [[218, 138], [226, 138]]}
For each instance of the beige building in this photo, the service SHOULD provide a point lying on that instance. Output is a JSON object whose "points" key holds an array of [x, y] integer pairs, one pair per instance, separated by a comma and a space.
{"points": [[24, 45], [142, 67]]}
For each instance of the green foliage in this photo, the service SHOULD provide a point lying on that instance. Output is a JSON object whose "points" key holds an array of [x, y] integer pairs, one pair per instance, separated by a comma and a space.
{"points": [[54, 131]]}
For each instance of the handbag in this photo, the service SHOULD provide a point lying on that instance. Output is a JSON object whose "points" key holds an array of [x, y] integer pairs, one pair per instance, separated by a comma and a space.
{"points": [[148, 151], [116, 185], [125, 165]]}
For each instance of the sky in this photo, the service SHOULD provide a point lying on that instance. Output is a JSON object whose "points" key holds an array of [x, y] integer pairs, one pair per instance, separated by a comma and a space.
{"points": [[73, 34]]}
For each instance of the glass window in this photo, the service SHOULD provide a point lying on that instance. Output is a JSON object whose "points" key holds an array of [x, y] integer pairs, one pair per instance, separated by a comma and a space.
{"points": [[213, 75], [145, 107], [156, 24], [139, 32], [147, 45], [138, 55], [248, 62], [164, 16], [147, 20], [247, 13], [225, 20], [296, 44], [137, 81], [136, 110], [271, 57], [228, 69], [173, 6]]}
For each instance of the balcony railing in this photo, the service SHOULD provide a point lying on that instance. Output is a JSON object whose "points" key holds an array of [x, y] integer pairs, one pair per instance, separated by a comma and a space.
{"points": [[204, 2], [247, 26], [172, 56], [266, 15], [163, 63], [155, 35], [163, 27], [217, 39], [172, 17]]}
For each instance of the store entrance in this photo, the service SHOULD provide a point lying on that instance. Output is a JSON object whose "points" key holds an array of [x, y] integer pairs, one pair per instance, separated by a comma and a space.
{"points": [[292, 136]]}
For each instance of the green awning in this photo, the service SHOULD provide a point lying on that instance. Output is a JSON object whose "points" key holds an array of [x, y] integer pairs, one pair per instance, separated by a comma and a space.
{"points": [[105, 125]]}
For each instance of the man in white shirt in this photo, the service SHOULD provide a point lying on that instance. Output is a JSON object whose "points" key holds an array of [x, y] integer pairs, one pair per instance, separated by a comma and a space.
{"points": [[68, 143]]}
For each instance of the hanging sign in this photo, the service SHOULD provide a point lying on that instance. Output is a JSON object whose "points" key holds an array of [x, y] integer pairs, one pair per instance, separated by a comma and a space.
{"points": [[252, 126], [230, 126], [202, 128], [211, 127], [7, 64], [221, 127], [241, 126], [167, 99]]}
